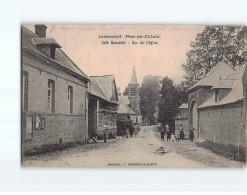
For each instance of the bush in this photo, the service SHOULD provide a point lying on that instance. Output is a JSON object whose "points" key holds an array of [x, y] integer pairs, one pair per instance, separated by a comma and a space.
{"points": [[122, 125], [51, 148]]}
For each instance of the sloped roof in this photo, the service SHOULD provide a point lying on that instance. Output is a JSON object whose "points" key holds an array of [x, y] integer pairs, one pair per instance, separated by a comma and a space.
{"points": [[123, 99], [124, 109], [133, 76], [233, 96], [178, 117], [221, 70], [184, 105], [95, 89], [102, 86], [224, 84], [29, 40]]}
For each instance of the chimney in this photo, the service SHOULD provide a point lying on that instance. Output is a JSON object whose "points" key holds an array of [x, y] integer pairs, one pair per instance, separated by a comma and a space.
{"points": [[40, 30]]}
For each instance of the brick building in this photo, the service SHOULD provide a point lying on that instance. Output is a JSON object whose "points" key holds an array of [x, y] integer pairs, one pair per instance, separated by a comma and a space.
{"points": [[216, 106], [182, 119], [54, 93], [102, 105]]}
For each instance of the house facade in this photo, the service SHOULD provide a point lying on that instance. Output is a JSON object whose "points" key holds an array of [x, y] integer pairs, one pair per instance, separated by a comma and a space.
{"points": [[216, 106], [54, 93]]}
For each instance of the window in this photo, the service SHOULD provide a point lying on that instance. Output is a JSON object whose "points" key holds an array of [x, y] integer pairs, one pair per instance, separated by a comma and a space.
{"points": [[29, 126], [51, 95], [24, 90], [132, 91], [39, 122], [217, 95], [70, 99]]}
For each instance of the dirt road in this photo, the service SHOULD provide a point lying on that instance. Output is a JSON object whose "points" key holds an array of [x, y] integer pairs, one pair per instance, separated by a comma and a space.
{"points": [[140, 151]]}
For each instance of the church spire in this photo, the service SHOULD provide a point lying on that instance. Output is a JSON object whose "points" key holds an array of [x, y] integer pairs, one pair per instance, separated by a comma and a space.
{"points": [[133, 76]]}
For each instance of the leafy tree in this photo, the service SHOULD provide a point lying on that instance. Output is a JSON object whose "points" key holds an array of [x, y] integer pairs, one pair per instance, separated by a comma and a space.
{"points": [[212, 45], [169, 103], [149, 97], [126, 91]]}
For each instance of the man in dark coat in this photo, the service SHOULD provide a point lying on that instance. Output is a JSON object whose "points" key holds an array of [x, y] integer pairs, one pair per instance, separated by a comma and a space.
{"points": [[162, 134], [191, 135], [131, 130]]}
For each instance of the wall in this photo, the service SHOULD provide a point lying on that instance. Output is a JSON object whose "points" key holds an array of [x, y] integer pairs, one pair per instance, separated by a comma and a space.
{"points": [[199, 95], [60, 124], [224, 125]]}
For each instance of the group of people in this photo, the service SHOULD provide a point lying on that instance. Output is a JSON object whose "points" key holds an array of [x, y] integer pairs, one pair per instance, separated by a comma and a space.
{"points": [[132, 130], [177, 135]]}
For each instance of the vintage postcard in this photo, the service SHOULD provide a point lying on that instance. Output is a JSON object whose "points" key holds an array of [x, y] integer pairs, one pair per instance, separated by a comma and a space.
{"points": [[142, 96]]}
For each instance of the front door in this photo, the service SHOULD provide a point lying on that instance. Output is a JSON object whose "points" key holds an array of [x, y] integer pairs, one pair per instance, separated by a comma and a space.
{"points": [[92, 117]]}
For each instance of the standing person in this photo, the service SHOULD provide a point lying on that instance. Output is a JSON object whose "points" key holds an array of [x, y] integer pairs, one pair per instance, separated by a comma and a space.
{"points": [[131, 130], [162, 135], [177, 135], [173, 137], [135, 130], [168, 133], [105, 132], [127, 132], [181, 129], [191, 135]]}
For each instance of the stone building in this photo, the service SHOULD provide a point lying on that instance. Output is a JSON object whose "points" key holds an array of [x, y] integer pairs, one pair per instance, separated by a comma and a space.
{"points": [[182, 118], [216, 106], [132, 100], [102, 105], [54, 93]]}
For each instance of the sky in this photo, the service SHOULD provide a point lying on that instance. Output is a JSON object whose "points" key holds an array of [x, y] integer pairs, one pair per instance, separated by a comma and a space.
{"points": [[84, 47]]}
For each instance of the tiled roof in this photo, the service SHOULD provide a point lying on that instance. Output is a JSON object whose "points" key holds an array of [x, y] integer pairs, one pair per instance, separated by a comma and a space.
{"points": [[224, 84], [102, 86], [184, 105], [124, 109], [236, 93], [221, 70], [123, 99], [29, 40]]}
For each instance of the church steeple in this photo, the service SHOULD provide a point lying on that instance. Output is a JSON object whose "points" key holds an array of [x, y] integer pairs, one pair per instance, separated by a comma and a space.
{"points": [[133, 76]]}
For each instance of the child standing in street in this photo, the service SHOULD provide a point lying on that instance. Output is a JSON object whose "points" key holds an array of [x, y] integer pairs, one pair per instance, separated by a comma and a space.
{"points": [[173, 137], [177, 134]]}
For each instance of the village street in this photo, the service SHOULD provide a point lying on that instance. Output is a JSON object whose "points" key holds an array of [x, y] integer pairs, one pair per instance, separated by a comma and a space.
{"points": [[140, 151]]}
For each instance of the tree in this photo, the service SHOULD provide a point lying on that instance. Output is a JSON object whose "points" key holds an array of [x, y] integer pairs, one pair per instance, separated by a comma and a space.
{"points": [[126, 91], [149, 97], [212, 45], [169, 103]]}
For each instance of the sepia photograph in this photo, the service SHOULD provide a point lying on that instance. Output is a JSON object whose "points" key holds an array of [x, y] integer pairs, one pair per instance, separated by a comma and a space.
{"points": [[133, 96]]}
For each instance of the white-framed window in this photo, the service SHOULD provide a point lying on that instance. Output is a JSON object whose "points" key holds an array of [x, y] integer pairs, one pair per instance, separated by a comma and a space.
{"points": [[39, 122], [51, 95], [70, 99]]}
